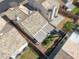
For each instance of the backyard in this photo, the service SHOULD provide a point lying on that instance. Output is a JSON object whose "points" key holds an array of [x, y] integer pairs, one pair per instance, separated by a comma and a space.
{"points": [[29, 54], [49, 40]]}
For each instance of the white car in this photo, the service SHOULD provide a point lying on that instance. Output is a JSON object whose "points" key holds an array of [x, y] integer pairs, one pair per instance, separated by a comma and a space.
{"points": [[19, 51]]}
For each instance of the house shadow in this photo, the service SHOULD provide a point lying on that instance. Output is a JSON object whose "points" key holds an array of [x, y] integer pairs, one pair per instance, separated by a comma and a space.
{"points": [[30, 7]]}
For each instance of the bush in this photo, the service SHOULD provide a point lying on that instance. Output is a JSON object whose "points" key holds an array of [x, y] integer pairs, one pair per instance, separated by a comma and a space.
{"points": [[69, 26], [47, 40]]}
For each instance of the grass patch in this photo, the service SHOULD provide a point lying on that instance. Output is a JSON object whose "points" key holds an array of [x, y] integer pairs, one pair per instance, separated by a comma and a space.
{"points": [[29, 54]]}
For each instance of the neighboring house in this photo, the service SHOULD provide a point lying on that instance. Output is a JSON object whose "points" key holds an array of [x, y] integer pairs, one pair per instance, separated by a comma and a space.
{"points": [[70, 49], [58, 21], [70, 6], [10, 41]]}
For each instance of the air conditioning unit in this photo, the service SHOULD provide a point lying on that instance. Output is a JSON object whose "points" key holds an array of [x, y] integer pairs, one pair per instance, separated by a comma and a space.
{"points": [[17, 18], [53, 12]]}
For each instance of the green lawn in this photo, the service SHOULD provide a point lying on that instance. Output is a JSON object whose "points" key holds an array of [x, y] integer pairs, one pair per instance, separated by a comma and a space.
{"points": [[29, 54], [75, 10]]}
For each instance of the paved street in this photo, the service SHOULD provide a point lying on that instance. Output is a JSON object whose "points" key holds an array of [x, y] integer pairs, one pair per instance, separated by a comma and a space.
{"points": [[5, 4]]}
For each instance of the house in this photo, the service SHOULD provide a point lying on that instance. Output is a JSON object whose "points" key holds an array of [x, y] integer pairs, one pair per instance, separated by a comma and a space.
{"points": [[59, 20], [70, 6], [11, 41], [70, 49], [35, 24]]}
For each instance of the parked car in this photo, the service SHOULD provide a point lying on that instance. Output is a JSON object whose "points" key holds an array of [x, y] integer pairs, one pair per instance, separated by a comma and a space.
{"points": [[19, 51]]}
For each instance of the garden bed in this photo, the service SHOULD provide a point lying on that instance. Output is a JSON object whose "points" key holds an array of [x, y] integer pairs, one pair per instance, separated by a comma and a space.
{"points": [[49, 40]]}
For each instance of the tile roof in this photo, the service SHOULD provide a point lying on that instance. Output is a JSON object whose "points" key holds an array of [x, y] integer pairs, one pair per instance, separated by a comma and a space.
{"points": [[10, 42], [71, 48], [34, 22]]}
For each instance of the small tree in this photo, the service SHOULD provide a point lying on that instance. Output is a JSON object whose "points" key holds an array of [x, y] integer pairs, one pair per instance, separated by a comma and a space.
{"points": [[69, 26]]}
